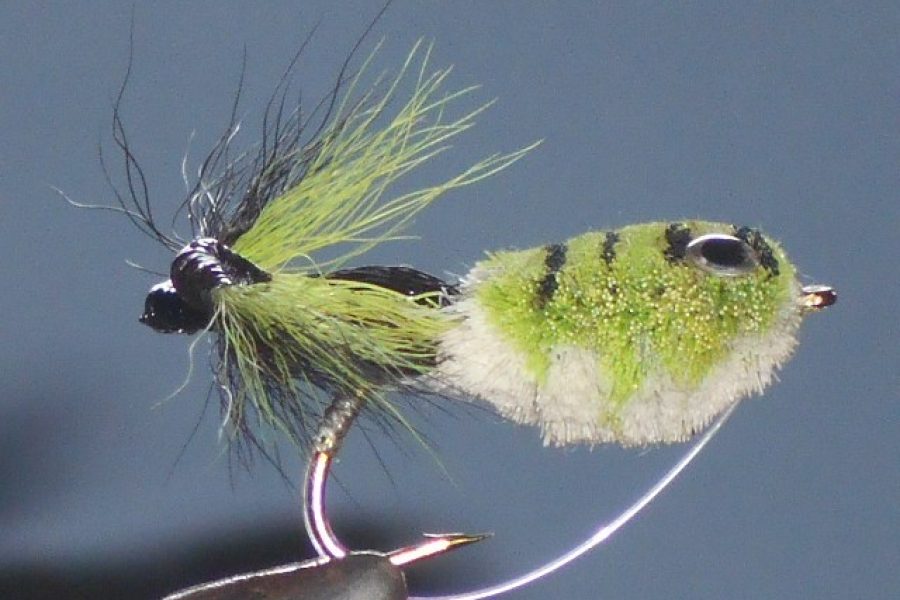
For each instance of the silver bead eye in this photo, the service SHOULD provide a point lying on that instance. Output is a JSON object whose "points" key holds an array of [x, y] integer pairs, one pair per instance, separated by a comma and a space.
{"points": [[722, 255]]}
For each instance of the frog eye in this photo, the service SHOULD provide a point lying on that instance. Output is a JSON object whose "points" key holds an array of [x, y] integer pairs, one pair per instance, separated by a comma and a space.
{"points": [[722, 255]]}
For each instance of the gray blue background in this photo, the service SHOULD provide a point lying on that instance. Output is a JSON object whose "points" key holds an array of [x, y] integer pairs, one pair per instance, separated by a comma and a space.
{"points": [[783, 116]]}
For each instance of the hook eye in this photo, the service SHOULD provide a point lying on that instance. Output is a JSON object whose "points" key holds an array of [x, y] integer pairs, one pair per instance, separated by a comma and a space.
{"points": [[722, 255]]}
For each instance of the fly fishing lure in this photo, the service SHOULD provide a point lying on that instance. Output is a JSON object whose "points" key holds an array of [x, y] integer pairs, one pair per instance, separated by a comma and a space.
{"points": [[637, 336]]}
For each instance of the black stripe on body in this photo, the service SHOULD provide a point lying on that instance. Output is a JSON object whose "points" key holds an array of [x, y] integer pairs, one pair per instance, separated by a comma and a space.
{"points": [[554, 262], [763, 250], [677, 239], [609, 247]]}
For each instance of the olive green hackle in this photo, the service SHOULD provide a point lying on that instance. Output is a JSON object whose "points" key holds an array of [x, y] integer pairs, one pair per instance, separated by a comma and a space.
{"points": [[304, 328]]}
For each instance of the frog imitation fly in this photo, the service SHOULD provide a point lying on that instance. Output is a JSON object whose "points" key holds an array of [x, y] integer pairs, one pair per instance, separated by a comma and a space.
{"points": [[637, 336]]}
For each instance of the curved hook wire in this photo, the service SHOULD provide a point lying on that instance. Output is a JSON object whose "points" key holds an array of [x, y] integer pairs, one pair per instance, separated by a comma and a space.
{"points": [[327, 544], [315, 518], [602, 534], [329, 547]]}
